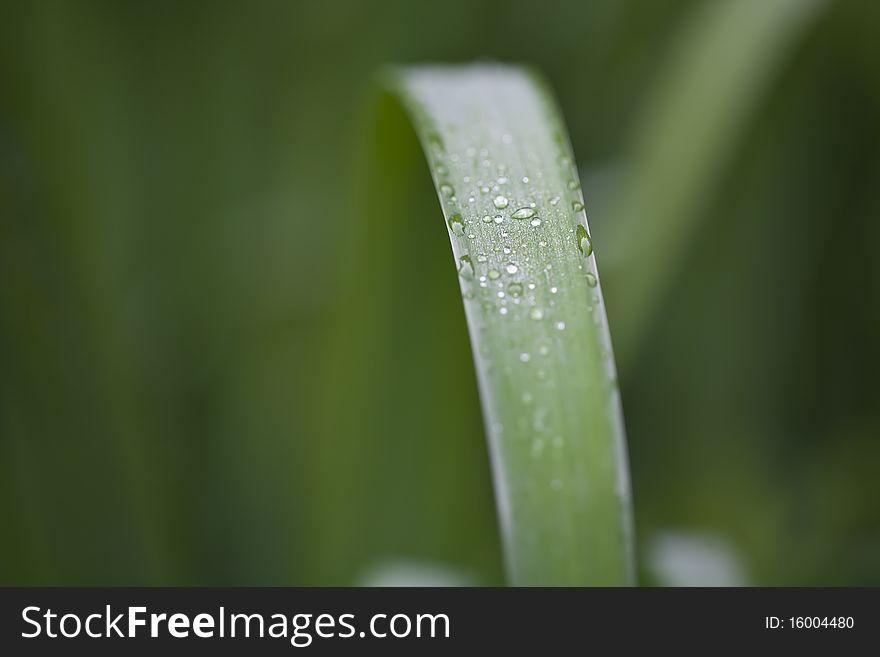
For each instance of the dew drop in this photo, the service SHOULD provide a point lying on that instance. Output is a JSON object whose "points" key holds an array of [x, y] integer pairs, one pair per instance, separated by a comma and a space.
{"points": [[511, 268], [573, 184], [487, 219], [465, 267], [481, 258], [535, 222], [525, 357], [553, 290], [456, 225], [500, 202], [446, 189], [503, 311], [442, 170], [584, 241], [435, 140], [560, 326], [523, 213], [536, 314], [577, 206], [494, 274], [591, 280], [515, 289], [554, 200], [498, 219]]}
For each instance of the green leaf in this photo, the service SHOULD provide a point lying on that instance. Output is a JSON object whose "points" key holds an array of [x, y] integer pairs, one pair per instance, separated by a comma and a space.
{"points": [[504, 172], [724, 63]]}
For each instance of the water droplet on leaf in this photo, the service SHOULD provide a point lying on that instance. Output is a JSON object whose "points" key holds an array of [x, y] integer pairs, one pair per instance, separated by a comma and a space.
{"points": [[584, 241], [465, 267], [523, 213], [435, 140]]}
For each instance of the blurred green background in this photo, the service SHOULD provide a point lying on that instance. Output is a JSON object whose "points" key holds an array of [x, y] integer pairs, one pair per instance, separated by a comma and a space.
{"points": [[178, 196]]}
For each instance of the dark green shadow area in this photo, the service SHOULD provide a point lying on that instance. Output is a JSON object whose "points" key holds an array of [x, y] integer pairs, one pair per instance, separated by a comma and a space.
{"points": [[401, 469]]}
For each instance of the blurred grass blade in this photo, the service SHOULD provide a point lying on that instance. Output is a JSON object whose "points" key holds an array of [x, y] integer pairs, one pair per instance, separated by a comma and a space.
{"points": [[725, 59], [503, 170]]}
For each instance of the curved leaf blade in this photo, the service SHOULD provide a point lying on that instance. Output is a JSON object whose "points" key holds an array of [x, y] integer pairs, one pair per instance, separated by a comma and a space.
{"points": [[505, 176]]}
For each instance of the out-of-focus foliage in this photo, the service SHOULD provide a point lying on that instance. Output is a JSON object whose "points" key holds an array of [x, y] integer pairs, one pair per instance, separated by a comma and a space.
{"points": [[177, 199]]}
